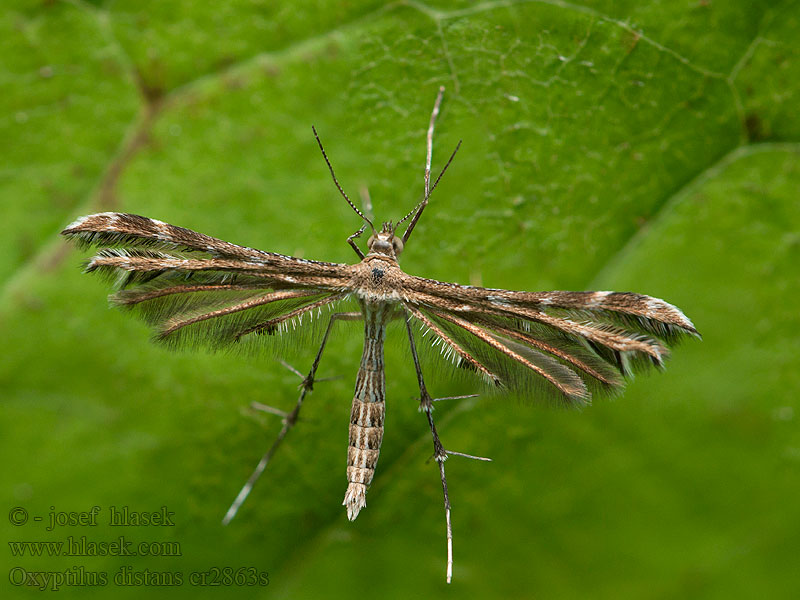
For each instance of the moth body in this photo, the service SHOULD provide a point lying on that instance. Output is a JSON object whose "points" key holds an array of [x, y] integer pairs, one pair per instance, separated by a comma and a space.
{"points": [[196, 290]]}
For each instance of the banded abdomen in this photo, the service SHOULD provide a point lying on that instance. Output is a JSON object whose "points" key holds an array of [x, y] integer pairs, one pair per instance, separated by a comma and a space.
{"points": [[369, 408]]}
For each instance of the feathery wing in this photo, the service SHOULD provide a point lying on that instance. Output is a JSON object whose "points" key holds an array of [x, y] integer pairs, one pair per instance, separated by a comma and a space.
{"points": [[567, 343], [194, 289]]}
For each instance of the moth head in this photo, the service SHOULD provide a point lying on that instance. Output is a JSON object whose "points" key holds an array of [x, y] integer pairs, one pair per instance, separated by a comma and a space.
{"points": [[385, 242]]}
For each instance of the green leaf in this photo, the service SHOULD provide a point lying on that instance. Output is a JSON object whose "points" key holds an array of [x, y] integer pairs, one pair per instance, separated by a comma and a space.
{"points": [[650, 147]]}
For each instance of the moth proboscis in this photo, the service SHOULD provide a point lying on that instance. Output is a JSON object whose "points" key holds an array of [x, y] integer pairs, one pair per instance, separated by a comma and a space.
{"points": [[194, 289]]}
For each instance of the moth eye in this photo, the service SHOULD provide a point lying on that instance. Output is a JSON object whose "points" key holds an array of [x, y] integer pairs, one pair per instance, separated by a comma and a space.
{"points": [[371, 241], [397, 243]]}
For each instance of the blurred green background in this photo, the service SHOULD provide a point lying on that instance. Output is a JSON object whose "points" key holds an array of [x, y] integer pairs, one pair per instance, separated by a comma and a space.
{"points": [[607, 145]]}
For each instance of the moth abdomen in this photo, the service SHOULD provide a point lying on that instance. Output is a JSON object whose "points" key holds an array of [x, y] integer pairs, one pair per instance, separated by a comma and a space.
{"points": [[367, 414]]}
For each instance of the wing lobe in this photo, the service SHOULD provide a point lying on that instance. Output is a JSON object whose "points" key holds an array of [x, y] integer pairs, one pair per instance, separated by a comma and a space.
{"points": [[651, 315], [554, 350], [607, 335], [173, 325], [567, 381], [463, 354], [271, 324], [124, 230]]}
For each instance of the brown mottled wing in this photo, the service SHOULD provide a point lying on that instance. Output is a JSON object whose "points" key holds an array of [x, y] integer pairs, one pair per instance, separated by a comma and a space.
{"points": [[568, 343], [198, 290]]}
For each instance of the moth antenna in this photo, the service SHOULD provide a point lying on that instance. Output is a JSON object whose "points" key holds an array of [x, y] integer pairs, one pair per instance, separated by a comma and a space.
{"points": [[447, 164], [411, 212], [336, 181], [421, 206], [366, 202], [431, 124]]}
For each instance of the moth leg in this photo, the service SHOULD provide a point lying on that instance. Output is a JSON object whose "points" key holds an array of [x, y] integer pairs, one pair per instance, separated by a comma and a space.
{"points": [[289, 419], [352, 243], [301, 376], [269, 409], [260, 406], [308, 382], [439, 453]]}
